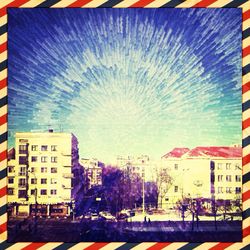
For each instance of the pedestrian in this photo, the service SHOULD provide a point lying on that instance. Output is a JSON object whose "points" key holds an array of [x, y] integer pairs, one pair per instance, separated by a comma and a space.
{"points": [[149, 221], [145, 218]]}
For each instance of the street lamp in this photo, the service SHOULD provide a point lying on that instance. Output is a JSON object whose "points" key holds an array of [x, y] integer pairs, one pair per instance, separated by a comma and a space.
{"points": [[143, 191], [35, 201], [73, 209]]}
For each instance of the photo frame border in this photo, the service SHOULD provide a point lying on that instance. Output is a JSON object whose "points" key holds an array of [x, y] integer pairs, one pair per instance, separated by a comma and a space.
{"points": [[243, 4]]}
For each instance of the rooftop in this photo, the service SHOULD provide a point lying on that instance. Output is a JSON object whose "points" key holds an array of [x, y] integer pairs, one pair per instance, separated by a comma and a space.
{"points": [[221, 152], [207, 152], [176, 153]]}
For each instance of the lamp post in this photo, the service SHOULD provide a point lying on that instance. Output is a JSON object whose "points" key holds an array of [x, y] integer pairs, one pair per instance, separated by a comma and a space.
{"points": [[35, 228], [198, 184], [73, 210], [143, 194]]}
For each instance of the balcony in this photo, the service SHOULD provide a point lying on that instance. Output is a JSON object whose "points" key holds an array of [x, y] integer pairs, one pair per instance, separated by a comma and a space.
{"points": [[24, 152], [22, 185], [67, 187], [65, 198], [67, 166], [21, 173], [68, 175]]}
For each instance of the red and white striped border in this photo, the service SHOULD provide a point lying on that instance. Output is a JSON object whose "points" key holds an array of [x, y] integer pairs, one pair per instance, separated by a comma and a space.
{"points": [[244, 4]]}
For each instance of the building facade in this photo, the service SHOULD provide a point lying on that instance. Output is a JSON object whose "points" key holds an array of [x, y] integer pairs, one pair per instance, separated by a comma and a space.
{"points": [[204, 172], [141, 166], [45, 176], [92, 171]]}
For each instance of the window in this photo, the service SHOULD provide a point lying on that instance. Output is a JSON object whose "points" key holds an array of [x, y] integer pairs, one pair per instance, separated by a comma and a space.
{"points": [[32, 170], [176, 189], [220, 177], [228, 190], [44, 148], [22, 171], [176, 166], [11, 169], [22, 149], [238, 190], [53, 181], [53, 191], [220, 190], [10, 191], [10, 180], [22, 194], [33, 158], [33, 181], [53, 170], [228, 178], [53, 159], [22, 182], [43, 181], [34, 147], [44, 159], [33, 192], [219, 166], [43, 192], [43, 169], [53, 148], [23, 159], [238, 178], [228, 166]]}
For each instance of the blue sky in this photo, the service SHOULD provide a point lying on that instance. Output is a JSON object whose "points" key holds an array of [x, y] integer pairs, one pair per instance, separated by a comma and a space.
{"points": [[126, 81]]}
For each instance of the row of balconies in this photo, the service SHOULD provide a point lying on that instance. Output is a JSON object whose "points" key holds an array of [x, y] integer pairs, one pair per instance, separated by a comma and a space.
{"points": [[63, 186]]}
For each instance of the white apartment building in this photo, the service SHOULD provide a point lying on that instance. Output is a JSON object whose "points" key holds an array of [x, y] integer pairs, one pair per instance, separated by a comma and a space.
{"points": [[45, 175], [203, 172], [92, 172], [142, 166]]}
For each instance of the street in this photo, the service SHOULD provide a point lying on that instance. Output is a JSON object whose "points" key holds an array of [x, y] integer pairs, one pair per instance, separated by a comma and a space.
{"points": [[67, 231]]}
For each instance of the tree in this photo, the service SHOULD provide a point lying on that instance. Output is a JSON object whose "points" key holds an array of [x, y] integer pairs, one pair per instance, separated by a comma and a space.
{"points": [[123, 190], [112, 182], [163, 181]]}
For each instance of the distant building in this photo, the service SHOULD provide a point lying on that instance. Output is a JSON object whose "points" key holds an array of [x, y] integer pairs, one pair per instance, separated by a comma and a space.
{"points": [[142, 166], [44, 171], [203, 172], [92, 171]]}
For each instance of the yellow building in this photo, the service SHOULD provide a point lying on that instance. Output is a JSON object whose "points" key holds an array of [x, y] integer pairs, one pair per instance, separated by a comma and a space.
{"points": [[45, 172], [203, 172]]}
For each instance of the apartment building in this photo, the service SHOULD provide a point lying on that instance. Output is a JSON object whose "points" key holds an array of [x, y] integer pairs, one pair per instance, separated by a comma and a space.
{"points": [[171, 166], [204, 172], [44, 176], [92, 171], [141, 166]]}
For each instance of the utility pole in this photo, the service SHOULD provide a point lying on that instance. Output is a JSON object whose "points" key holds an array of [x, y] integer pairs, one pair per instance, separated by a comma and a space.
{"points": [[143, 192]]}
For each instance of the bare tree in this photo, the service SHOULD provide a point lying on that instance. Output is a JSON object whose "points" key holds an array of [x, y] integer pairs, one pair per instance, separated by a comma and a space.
{"points": [[163, 181]]}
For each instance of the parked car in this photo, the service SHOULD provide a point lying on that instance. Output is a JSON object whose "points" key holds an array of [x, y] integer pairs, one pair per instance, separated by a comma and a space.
{"points": [[107, 216], [122, 215], [87, 216], [94, 216], [131, 212]]}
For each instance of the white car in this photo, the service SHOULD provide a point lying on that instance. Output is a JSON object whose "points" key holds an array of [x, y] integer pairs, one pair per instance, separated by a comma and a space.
{"points": [[107, 216], [94, 216]]}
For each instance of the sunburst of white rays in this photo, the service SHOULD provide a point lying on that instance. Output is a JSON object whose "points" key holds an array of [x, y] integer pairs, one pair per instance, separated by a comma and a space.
{"points": [[126, 83]]}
